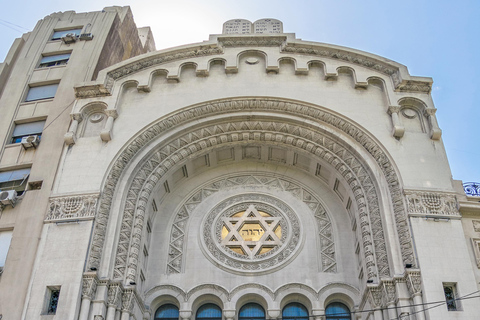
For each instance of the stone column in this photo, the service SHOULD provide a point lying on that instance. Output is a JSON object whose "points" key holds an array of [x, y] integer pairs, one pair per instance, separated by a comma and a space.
{"points": [[89, 288], [114, 294], [435, 131], [274, 313], [185, 314], [106, 133], [127, 303], [71, 136], [229, 314], [414, 285], [376, 300], [398, 128], [318, 314], [390, 295]]}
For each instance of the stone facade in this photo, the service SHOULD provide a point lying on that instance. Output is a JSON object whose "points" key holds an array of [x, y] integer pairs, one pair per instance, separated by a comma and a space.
{"points": [[250, 168]]}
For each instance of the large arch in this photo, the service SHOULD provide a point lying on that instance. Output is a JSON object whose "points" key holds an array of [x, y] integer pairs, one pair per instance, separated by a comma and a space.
{"points": [[298, 125]]}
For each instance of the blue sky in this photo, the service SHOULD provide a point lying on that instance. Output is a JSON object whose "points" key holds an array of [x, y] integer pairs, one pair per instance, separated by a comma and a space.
{"points": [[435, 38]]}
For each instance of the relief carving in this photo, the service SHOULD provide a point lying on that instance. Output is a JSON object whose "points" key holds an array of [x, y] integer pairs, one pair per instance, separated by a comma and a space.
{"points": [[414, 282], [431, 203], [476, 225], [228, 106], [114, 295], [89, 286], [69, 207]]}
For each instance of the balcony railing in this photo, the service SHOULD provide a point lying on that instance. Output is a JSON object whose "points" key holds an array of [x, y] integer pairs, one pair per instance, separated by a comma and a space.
{"points": [[472, 189]]}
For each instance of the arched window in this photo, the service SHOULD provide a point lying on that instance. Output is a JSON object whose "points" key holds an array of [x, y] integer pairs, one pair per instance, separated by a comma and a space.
{"points": [[167, 312], [295, 311], [337, 311], [209, 311], [251, 311]]}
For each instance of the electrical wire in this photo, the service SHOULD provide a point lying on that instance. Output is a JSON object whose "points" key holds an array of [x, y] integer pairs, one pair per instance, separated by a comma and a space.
{"points": [[45, 128]]}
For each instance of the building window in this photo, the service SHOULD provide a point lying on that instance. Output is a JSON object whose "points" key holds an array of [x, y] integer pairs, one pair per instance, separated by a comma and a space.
{"points": [[450, 291], [27, 129], [295, 311], [41, 92], [209, 311], [14, 180], [57, 35], [52, 301], [251, 311], [167, 312], [5, 239], [337, 311], [55, 60]]}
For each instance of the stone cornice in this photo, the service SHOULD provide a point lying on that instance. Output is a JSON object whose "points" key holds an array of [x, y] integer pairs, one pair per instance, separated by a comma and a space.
{"points": [[251, 41]]}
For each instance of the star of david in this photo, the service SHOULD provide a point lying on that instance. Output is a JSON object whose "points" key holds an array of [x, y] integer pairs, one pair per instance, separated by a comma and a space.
{"points": [[253, 233]]}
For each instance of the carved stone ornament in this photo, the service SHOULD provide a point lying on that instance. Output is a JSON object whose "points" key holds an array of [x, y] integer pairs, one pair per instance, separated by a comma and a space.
{"points": [[476, 225], [98, 317], [252, 41], [177, 245], [114, 294], [431, 203], [414, 282], [263, 236], [91, 91], [71, 207], [376, 296], [390, 290], [89, 286], [127, 300], [347, 163]]}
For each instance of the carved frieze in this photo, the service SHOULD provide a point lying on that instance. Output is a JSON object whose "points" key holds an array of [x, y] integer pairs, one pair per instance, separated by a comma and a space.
{"points": [[254, 41], [91, 91], [243, 104], [414, 282], [71, 207], [431, 203]]}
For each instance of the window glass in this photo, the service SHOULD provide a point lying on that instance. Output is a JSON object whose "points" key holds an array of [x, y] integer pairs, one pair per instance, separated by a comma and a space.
{"points": [[14, 180], [5, 238], [53, 301], [450, 291], [167, 312], [27, 129], [337, 311], [295, 311], [55, 60], [42, 92], [59, 34], [209, 311], [251, 311]]}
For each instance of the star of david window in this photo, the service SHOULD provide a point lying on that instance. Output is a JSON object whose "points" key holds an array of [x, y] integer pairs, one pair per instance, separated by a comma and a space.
{"points": [[251, 232]]}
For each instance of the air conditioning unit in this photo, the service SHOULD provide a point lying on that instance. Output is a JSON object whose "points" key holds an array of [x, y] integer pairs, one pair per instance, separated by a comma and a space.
{"points": [[86, 36], [30, 141], [69, 38], [8, 197]]}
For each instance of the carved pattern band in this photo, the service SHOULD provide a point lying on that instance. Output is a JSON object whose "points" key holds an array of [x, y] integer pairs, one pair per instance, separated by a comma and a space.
{"points": [[70, 207], [432, 203]]}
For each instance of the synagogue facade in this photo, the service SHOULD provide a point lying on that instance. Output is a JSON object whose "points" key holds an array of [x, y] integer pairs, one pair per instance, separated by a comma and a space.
{"points": [[250, 176]]}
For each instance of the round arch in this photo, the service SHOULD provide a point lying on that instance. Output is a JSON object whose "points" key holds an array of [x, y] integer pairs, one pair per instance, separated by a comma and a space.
{"points": [[318, 136]]}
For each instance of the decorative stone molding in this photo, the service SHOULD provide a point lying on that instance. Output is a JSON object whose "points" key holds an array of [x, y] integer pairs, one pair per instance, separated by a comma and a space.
{"points": [[92, 91], [413, 280], [414, 86], [301, 288], [98, 317], [431, 203], [115, 291], [176, 249], [128, 298], [252, 41], [476, 250], [71, 136], [231, 106], [337, 54], [72, 207], [476, 225], [390, 291], [376, 296], [398, 128], [89, 285]]}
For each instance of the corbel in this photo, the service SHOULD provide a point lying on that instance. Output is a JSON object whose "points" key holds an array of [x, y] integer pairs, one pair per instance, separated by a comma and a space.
{"points": [[398, 128]]}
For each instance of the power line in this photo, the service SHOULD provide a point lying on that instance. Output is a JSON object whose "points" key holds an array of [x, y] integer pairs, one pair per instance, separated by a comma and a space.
{"points": [[45, 128]]}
